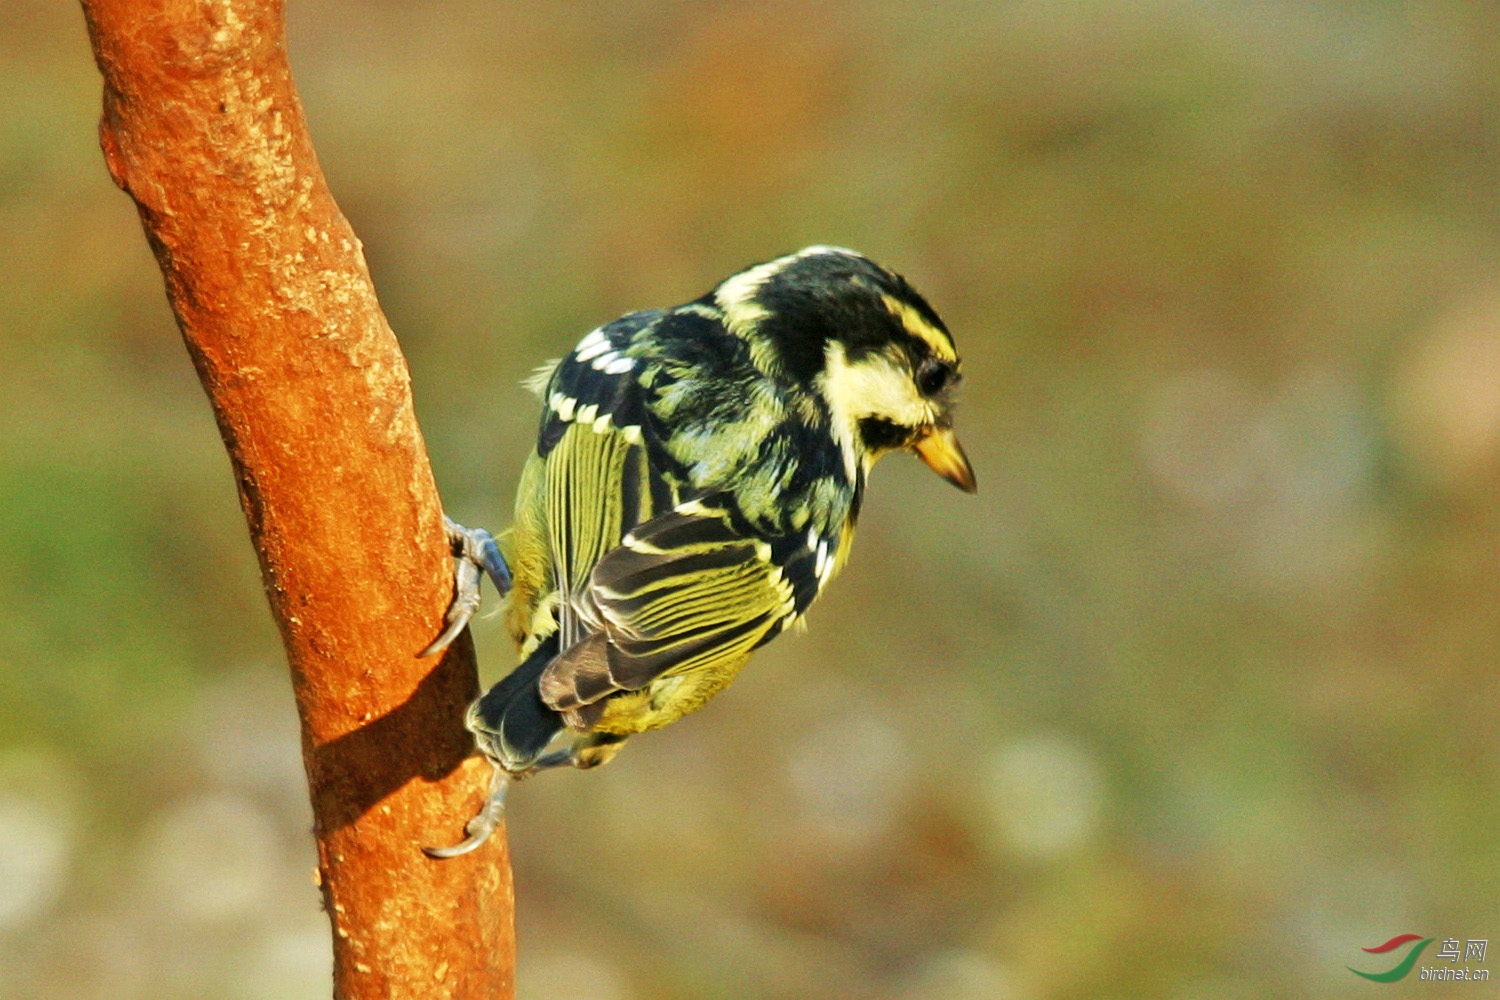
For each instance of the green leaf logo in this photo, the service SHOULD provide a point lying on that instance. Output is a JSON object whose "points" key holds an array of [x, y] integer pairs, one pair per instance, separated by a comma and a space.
{"points": [[1403, 967]]}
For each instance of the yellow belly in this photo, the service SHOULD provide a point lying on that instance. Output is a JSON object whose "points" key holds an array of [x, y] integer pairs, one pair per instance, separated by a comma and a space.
{"points": [[665, 700]]}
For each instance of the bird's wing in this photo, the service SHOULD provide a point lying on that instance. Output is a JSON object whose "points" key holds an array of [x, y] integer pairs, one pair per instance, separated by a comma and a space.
{"points": [[692, 589], [596, 443]]}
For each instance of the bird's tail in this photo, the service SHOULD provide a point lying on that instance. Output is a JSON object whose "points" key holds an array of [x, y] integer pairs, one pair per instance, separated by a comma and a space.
{"points": [[511, 723]]}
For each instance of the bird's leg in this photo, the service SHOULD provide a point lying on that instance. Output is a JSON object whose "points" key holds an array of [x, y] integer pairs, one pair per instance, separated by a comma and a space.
{"points": [[477, 554], [489, 816], [484, 822], [589, 751]]}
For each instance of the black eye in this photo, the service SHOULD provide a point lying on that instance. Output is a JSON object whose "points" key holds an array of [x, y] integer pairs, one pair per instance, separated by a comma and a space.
{"points": [[934, 376]]}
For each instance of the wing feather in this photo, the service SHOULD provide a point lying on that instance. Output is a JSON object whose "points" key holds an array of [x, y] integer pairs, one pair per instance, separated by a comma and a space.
{"points": [[596, 446], [694, 589]]}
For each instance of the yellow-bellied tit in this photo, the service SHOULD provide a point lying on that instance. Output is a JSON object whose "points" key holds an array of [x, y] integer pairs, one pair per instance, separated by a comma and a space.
{"points": [[697, 476]]}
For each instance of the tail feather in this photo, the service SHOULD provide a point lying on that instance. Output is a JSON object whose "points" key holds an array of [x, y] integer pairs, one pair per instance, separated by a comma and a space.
{"points": [[512, 724]]}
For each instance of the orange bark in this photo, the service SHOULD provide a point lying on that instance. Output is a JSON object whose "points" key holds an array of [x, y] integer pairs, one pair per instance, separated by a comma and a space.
{"points": [[203, 128]]}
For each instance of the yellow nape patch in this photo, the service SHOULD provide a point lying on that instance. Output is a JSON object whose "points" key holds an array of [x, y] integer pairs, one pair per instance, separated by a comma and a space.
{"points": [[940, 342], [736, 297]]}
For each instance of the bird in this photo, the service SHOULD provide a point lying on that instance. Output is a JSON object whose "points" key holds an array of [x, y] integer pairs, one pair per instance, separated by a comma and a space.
{"points": [[695, 484]]}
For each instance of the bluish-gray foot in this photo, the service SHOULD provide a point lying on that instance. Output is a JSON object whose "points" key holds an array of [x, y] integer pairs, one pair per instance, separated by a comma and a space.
{"points": [[478, 556], [489, 816], [484, 822]]}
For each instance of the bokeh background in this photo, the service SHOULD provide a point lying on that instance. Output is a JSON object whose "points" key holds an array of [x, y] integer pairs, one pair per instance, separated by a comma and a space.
{"points": [[1195, 699]]}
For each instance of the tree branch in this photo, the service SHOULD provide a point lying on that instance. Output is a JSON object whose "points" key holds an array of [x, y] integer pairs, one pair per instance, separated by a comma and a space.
{"points": [[203, 128]]}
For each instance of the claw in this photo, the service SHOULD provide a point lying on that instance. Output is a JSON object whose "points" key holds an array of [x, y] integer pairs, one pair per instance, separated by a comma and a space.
{"points": [[477, 553], [484, 822]]}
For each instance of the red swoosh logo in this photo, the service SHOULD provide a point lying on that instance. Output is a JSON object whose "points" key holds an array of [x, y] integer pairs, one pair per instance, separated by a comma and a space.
{"points": [[1393, 944]]}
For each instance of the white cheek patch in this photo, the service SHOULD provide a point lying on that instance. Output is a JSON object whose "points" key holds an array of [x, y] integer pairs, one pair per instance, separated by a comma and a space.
{"points": [[874, 386]]}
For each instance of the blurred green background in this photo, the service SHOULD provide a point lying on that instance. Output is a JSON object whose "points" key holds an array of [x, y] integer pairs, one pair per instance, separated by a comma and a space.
{"points": [[1196, 699]]}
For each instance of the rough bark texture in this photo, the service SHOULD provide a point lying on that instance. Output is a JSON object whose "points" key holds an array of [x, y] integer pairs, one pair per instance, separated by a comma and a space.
{"points": [[203, 128]]}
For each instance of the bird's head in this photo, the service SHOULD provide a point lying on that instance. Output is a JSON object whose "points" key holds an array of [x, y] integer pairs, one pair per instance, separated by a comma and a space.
{"points": [[843, 327]]}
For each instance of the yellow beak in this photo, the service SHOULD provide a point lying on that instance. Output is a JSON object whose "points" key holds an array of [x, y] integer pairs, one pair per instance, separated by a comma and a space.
{"points": [[945, 456]]}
